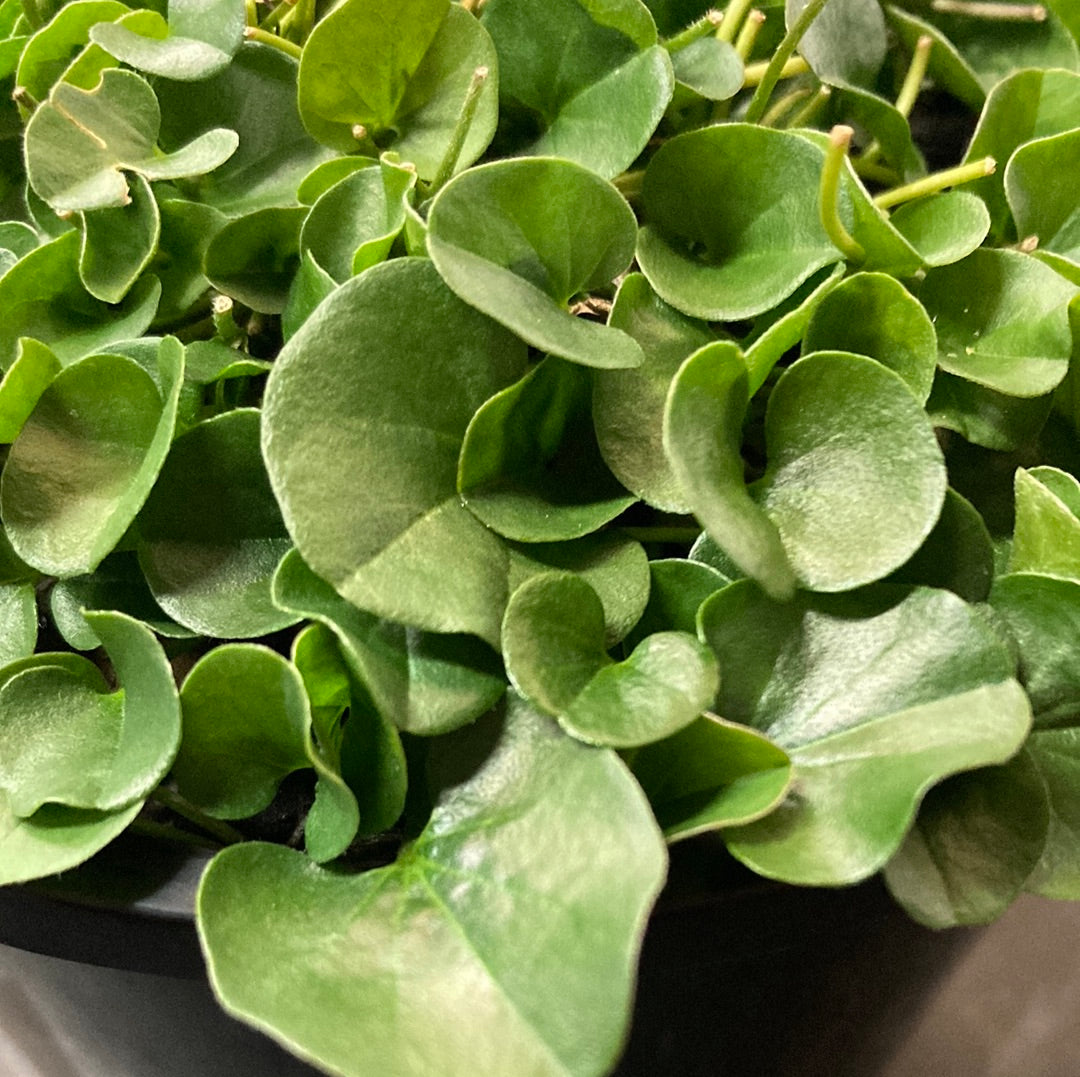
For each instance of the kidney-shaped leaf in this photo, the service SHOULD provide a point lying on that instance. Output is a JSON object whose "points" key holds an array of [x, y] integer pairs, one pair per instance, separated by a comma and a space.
{"points": [[544, 849], [875, 696], [364, 415], [733, 224], [553, 646], [518, 239]]}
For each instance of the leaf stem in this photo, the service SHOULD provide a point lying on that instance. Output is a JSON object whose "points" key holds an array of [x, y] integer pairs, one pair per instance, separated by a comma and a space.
{"points": [[916, 72], [786, 104], [935, 182], [629, 184], [744, 43], [24, 98], [987, 9], [784, 52], [755, 73], [733, 17], [703, 27], [169, 798], [164, 832], [256, 33], [275, 15], [806, 114], [461, 129], [829, 194]]}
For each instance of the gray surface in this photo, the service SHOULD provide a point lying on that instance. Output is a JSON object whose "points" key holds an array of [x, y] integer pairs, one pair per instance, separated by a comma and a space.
{"points": [[1007, 1006]]}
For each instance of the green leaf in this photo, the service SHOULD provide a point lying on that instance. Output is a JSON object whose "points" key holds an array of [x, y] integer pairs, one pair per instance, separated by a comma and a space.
{"points": [[80, 142], [199, 40], [67, 740], [733, 220], [881, 120], [354, 224], [422, 682], [585, 83], [1056, 753], [553, 646], [211, 534], [118, 244], [26, 379], [846, 42], [311, 285], [401, 70], [245, 728], [560, 854], [255, 96], [985, 417], [43, 297], [944, 227], [1027, 105], [1002, 321], [186, 231], [1047, 533], [530, 467], [1040, 206], [875, 696], [326, 175], [254, 258], [500, 237], [85, 460], [975, 842], [710, 775], [18, 621], [362, 447], [628, 405], [709, 67], [702, 438], [678, 588], [872, 314], [848, 446]]}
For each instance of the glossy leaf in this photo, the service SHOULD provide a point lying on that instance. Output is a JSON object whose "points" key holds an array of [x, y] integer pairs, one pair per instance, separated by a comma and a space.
{"points": [[1056, 753], [362, 447], [199, 39], [80, 142], [1002, 321], [211, 534], [872, 314], [710, 775], [106, 420], [702, 437], [530, 467], [553, 646], [118, 243], [628, 405], [733, 220], [876, 696], [560, 851], [833, 537], [578, 82], [499, 237]]}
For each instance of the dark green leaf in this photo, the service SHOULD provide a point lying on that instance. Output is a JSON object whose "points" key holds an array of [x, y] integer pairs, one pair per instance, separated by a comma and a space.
{"points": [[118, 243]]}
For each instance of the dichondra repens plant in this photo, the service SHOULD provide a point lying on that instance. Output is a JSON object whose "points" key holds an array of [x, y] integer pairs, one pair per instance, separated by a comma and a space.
{"points": [[535, 431]]}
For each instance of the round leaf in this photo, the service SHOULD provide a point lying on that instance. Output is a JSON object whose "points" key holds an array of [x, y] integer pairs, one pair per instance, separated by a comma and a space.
{"points": [[1041, 206], [945, 227]]}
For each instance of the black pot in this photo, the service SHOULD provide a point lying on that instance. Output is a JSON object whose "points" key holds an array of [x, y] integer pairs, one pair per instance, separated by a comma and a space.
{"points": [[739, 977]]}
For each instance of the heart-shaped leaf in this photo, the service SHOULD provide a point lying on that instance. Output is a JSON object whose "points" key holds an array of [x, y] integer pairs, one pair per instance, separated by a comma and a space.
{"points": [[710, 775], [702, 438], [628, 405], [1046, 538], [199, 39], [553, 646], [875, 696], [422, 682], [827, 411], [530, 467], [585, 84], [362, 448], [106, 420], [402, 71], [1002, 321], [501, 237], [873, 314], [68, 740], [80, 142], [560, 851], [211, 534], [733, 224]]}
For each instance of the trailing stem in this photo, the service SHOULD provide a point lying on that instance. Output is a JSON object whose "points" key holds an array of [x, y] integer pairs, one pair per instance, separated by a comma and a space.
{"points": [[938, 181], [704, 26], [733, 17], [829, 194]]}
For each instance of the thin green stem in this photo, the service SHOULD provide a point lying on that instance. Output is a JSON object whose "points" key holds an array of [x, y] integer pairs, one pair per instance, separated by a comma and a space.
{"points": [[878, 173], [461, 130], [629, 184], [172, 800], [805, 116], [938, 181], [256, 33], [779, 109], [276, 14], [704, 26], [987, 9], [164, 832], [733, 17], [755, 73], [251, 12], [744, 43], [24, 98], [829, 194], [916, 72], [784, 52]]}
